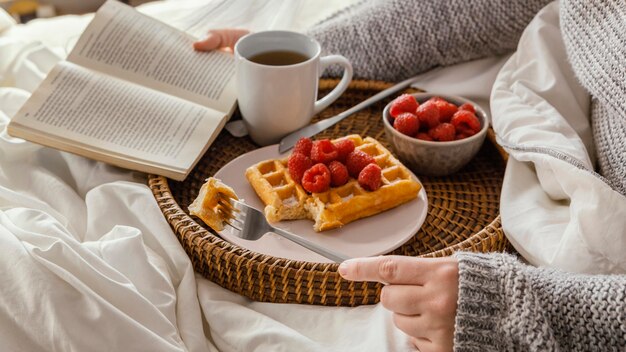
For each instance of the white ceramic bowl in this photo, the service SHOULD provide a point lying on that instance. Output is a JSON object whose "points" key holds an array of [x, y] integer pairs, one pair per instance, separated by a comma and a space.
{"points": [[436, 158]]}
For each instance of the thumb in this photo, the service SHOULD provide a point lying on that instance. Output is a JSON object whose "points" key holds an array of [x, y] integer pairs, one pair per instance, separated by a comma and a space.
{"points": [[211, 42], [220, 38]]}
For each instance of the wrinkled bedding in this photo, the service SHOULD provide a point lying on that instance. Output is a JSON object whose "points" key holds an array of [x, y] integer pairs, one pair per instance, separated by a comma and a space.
{"points": [[89, 263]]}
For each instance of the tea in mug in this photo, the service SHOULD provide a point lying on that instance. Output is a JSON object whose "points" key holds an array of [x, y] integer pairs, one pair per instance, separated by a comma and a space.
{"points": [[278, 58]]}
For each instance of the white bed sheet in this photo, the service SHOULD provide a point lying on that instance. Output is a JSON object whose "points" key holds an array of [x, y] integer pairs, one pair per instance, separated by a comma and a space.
{"points": [[88, 262]]}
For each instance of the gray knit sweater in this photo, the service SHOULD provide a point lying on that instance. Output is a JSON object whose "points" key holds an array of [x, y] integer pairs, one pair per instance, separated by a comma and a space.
{"points": [[395, 39], [504, 305], [594, 33]]}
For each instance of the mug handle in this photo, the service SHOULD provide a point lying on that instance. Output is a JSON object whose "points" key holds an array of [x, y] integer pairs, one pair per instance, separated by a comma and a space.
{"points": [[341, 87]]}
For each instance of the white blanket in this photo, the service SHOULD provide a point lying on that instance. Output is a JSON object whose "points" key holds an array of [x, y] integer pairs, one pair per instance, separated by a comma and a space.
{"points": [[555, 214], [87, 260]]}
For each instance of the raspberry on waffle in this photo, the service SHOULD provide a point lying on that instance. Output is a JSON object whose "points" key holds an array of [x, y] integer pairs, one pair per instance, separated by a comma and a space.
{"points": [[287, 200]]}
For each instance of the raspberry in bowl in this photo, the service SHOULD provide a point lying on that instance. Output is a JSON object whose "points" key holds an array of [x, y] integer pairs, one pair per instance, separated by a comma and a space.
{"points": [[435, 135]]}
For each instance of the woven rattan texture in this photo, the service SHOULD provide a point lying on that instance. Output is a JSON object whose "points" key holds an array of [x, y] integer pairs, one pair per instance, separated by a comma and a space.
{"points": [[462, 215]]}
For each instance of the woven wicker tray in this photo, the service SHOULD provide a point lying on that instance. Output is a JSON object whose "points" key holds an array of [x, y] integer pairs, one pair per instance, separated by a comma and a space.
{"points": [[462, 215]]}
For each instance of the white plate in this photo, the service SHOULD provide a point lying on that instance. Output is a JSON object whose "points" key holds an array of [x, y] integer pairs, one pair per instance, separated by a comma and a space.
{"points": [[366, 237]]}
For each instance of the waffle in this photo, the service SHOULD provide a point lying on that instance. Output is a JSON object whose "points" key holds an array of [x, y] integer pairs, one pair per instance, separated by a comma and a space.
{"points": [[286, 200], [205, 205]]}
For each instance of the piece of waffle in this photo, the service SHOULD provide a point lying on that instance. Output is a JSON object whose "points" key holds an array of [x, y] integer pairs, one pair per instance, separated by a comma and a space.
{"points": [[287, 200], [205, 206]]}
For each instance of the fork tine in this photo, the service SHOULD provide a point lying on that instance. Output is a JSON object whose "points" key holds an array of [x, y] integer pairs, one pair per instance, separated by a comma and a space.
{"points": [[236, 220], [234, 202], [227, 209], [237, 210], [240, 208], [224, 201], [225, 212], [229, 219], [237, 204], [240, 217], [233, 226]]}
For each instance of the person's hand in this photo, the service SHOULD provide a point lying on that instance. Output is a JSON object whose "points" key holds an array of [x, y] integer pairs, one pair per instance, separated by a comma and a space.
{"points": [[220, 39], [421, 293]]}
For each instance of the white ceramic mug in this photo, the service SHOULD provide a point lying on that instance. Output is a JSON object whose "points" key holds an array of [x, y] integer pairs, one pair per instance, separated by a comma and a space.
{"points": [[277, 100]]}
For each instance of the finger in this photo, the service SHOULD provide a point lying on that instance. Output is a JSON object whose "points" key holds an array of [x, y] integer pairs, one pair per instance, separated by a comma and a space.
{"points": [[424, 345], [387, 269], [404, 299], [219, 38], [211, 42], [437, 330], [412, 325]]}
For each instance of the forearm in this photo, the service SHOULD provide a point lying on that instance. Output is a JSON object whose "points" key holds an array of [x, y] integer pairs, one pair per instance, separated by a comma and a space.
{"points": [[506, 305], [396, 39]]}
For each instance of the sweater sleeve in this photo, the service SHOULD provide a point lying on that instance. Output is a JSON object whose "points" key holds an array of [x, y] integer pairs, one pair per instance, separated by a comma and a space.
{"points": [[594, 33], [396, 39], [504, 305]]}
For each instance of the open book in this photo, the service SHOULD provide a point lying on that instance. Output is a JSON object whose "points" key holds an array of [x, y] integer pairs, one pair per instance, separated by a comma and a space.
{"points": [[132, 93]]}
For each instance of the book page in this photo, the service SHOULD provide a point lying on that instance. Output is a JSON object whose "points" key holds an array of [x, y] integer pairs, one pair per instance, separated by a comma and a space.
{"points": [[124, 43], [83, 107]]}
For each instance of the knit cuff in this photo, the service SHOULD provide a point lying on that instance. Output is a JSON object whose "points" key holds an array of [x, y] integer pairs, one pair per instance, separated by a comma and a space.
{"points": [[481, 303]]}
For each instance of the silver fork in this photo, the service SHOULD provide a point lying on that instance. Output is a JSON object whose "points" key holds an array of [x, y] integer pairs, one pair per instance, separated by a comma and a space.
{"points": [[251, 224]]}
